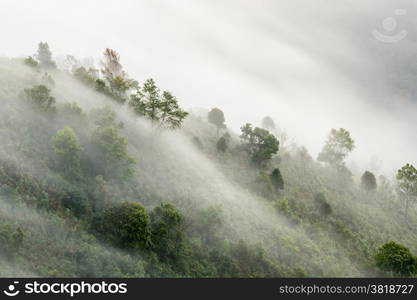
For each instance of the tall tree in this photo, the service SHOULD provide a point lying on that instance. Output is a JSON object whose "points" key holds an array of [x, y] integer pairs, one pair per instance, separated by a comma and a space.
{"points": [[216, 117], [167, 234], [115, 161], [268, 123], [368, 181], [44, 56], [67, 149], [396, 258], [114, 75], [407, 185], [338, 145], [222, 144], [259, 143], [126, 225], [276, 179], [112, 67], [163, 109]]}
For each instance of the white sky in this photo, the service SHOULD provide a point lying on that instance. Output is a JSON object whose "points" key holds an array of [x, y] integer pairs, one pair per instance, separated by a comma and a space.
{"points": [[311, 65]]}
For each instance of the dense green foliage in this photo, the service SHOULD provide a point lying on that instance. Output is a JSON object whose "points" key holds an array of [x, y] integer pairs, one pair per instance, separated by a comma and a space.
{"points": [[393, 257], [259, 143], [40, 97], [112, 149], [407, 186], [167, 231], [67, 149], [125, 225]]}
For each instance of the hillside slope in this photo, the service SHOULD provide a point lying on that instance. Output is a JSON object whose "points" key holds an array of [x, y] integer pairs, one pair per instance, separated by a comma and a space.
{"points": [[202, 213]]}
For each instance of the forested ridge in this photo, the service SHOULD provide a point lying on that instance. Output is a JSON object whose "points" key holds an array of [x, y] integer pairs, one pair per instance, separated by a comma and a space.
{"points": [[105, 176]]}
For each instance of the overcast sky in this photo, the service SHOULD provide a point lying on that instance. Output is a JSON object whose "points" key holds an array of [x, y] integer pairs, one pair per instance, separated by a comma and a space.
{"points": [[310, 65]]}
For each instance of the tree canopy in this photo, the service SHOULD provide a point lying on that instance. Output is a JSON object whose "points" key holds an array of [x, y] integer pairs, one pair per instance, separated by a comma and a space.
{"points": [[44, 56], [40, 97], [216, 117], [67, 149], [276, 179], [114, 158], [167, 235], [126, 225], [407, 185], [259, 143], [338, 145], [162, 110], [368, 181], [396, 258]]}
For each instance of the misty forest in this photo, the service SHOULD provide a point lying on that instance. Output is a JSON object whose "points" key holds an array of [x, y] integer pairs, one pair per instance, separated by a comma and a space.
{"points": [[103, 175]]}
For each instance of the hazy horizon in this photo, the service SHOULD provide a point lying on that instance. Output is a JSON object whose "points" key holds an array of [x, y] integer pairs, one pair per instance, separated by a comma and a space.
{"points": [[310, 66]]}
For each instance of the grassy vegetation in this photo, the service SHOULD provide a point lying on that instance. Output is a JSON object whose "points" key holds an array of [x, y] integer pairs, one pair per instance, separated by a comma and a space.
{"points": [[102, 176]]}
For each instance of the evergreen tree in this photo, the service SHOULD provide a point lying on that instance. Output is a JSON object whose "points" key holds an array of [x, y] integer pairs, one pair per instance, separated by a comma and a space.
{"points": [[394, 257], [125, 225], [276, 179], [368, 181], [216, 117], [44, 56], [167, 235], [115, 161]]}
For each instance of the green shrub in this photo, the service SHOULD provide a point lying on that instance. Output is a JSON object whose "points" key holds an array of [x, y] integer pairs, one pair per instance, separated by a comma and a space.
{"points": [[40, 97], [368, 181], [29, 61], [324, 207], [125, 225], [67, 149], [396, 258], [222, 144], [283, 206], [276, 179], [76, 201], [10, 240]]}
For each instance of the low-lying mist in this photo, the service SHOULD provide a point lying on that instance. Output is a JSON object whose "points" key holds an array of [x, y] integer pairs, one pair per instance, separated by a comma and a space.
{"points": [[172, 168], [310, 66]]}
